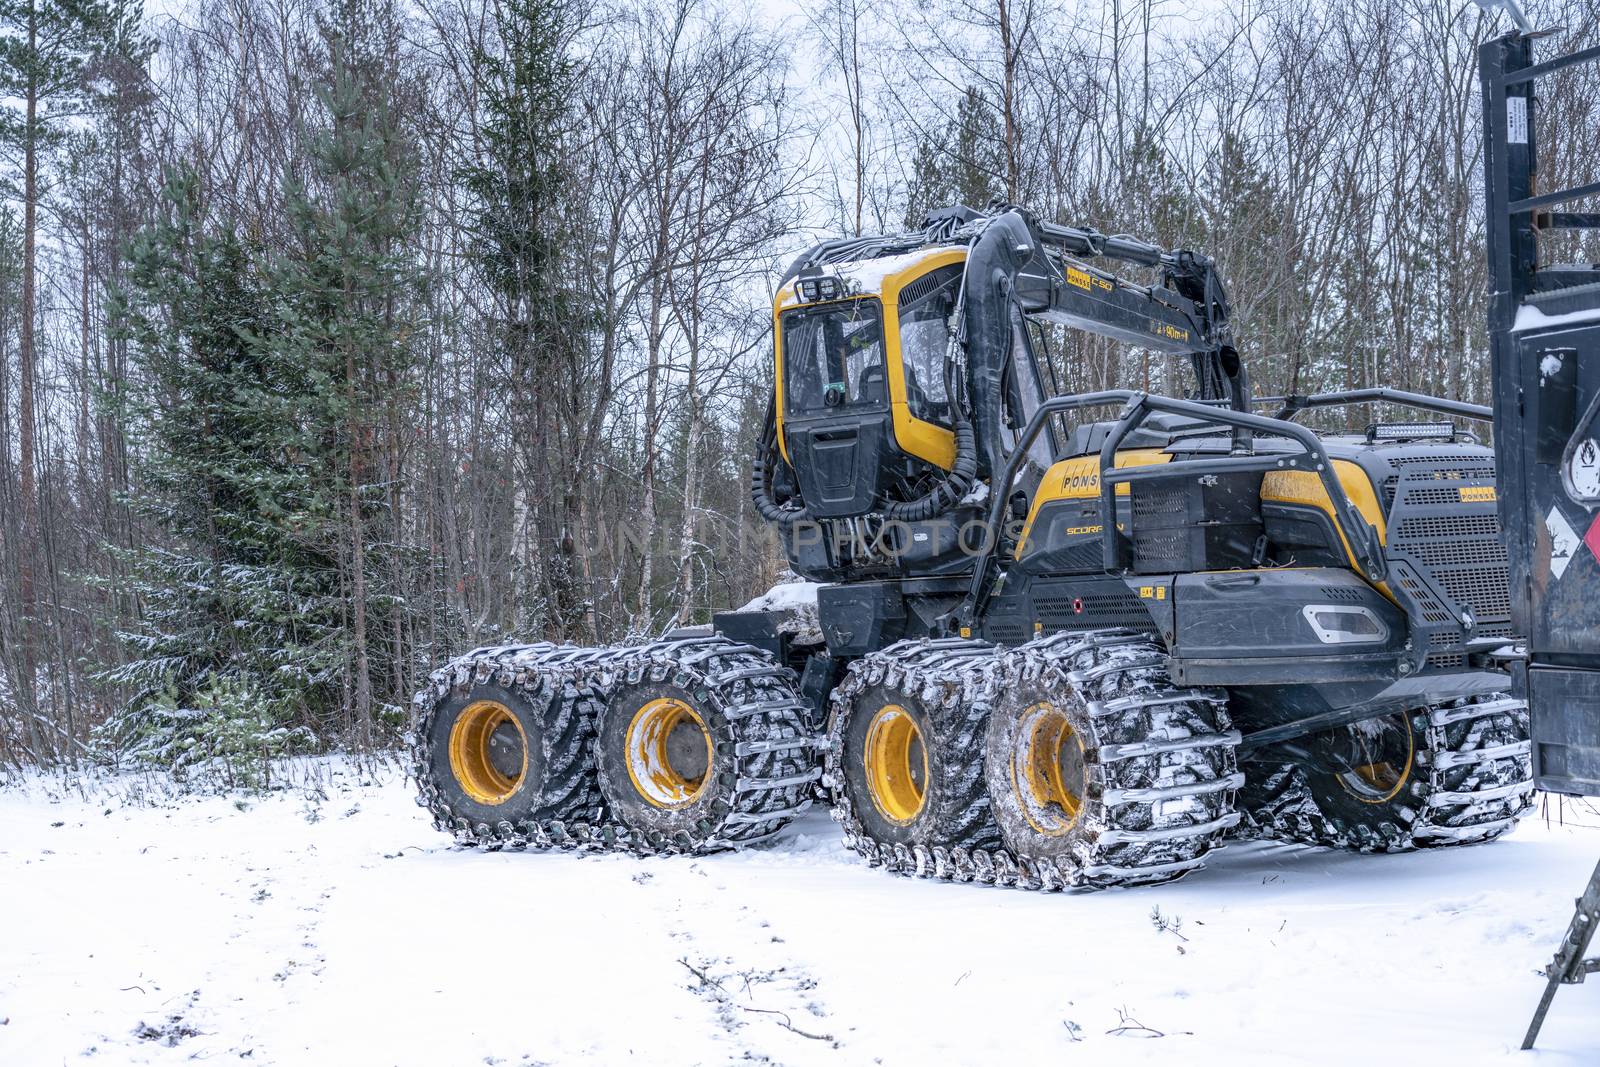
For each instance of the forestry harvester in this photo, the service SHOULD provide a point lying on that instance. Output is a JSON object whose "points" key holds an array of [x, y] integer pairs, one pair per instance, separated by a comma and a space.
{"points": [[1054, 650]]}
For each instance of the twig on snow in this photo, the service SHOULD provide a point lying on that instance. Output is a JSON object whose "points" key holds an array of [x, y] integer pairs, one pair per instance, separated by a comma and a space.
{"points": [[787, 1023], [1129, 1025], [705, 979]]}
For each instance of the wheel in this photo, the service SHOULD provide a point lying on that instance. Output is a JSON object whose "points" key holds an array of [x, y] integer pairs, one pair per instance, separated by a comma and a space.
{"points": [[1101, 772], [1451, 774], [498, 755], [703, 746], [905, 758]]}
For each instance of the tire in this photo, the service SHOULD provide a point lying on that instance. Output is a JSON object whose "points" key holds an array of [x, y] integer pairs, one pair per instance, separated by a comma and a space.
{"points": [[1455, 773], [905, 758], [1101, 772], [499, 756], [702, 746]]}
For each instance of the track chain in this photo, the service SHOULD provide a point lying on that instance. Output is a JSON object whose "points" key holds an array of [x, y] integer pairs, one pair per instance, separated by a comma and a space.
{"points": [[776, 753], [1187, 762], [1163, 768], [1475, 783], [952, 677]]}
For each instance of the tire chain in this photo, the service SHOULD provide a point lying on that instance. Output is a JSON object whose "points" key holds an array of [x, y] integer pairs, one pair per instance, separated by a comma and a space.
{"points": [[1159, 744], [946, 675], [1487, 733], [1128, 668], [774, 771]]}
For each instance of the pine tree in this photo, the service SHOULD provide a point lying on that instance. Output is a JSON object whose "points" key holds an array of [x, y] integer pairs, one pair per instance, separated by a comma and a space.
{"points": [[962, 163], [347, 291], [49, 54]]}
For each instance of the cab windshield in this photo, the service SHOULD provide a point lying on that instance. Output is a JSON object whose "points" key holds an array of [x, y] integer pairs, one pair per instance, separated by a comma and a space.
{"points": [[833, 357]]}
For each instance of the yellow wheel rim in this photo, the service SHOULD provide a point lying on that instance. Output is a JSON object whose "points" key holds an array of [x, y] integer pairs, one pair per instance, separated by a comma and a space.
{"points": [[669, 753], [488, 752], [1048, 773], [1389, 755], [896, 762]]}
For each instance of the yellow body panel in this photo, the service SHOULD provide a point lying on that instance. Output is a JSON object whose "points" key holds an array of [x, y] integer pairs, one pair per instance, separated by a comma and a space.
{"points": [[925, 440], [1079, 479], [1304, 487]]}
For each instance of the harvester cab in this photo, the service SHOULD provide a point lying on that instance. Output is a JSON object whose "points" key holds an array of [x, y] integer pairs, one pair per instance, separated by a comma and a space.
{"points": [[1544, 333], [907, 368]]}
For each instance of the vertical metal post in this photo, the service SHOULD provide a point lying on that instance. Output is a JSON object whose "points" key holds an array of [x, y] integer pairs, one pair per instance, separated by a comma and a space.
{"points": [[1508, 173], [1509, 168]]}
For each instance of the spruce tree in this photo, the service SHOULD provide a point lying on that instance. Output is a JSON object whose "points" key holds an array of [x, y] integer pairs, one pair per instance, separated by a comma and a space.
{"points": [[234, 606], [263, 418]]}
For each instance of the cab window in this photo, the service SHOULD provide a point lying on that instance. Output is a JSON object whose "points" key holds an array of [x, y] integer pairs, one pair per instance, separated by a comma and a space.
{"points": [[833, 357], [925, 309]]}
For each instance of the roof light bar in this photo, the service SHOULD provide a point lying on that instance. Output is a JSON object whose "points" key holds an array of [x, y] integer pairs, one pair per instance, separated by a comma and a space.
{"points": [[1410, 431]]}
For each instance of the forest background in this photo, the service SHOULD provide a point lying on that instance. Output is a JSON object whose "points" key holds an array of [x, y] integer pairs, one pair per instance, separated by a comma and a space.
{"points": [[339, 336]]}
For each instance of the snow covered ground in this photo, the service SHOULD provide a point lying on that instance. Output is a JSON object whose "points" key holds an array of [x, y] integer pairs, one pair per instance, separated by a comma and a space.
{"points": [[330, 924]]}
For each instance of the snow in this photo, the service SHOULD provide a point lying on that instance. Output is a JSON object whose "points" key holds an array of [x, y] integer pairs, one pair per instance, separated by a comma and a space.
{"points": [[796, 604], [1531, 318], [786, 596], [867, 275], [330, 924]]}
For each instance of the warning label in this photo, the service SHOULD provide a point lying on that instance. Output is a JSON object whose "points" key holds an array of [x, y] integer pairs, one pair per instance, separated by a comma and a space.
{"points": [[1584, 471], [1517, 120], [1563, 542]]}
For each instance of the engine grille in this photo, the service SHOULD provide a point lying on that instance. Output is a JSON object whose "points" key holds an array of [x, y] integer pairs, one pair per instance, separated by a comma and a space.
{"points": [[1451, 542], [1057, 608]]}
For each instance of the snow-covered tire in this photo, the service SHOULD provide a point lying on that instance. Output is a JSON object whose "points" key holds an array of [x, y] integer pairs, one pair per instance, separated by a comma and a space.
{"points": [[753, 774], [935, 696], [1469, 781], [555, 785], [1100, 771]]}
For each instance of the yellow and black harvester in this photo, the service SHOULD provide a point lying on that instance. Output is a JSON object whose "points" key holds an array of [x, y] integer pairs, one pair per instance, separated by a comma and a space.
{"points": [[1061, 640]]}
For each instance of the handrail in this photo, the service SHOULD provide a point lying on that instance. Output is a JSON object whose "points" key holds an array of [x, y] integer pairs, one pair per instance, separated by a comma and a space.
{"points": [[1560, 196], [1000, 489], [1291, 404], [1550, 66]]}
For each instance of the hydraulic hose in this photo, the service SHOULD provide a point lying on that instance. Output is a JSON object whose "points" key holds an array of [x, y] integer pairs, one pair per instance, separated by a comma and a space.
{"points": [[784, 515], [955, 485], [957, 482]]}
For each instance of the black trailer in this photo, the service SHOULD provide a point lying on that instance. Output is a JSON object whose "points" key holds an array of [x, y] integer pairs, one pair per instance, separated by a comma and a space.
{"points": [[1544, 332]]}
